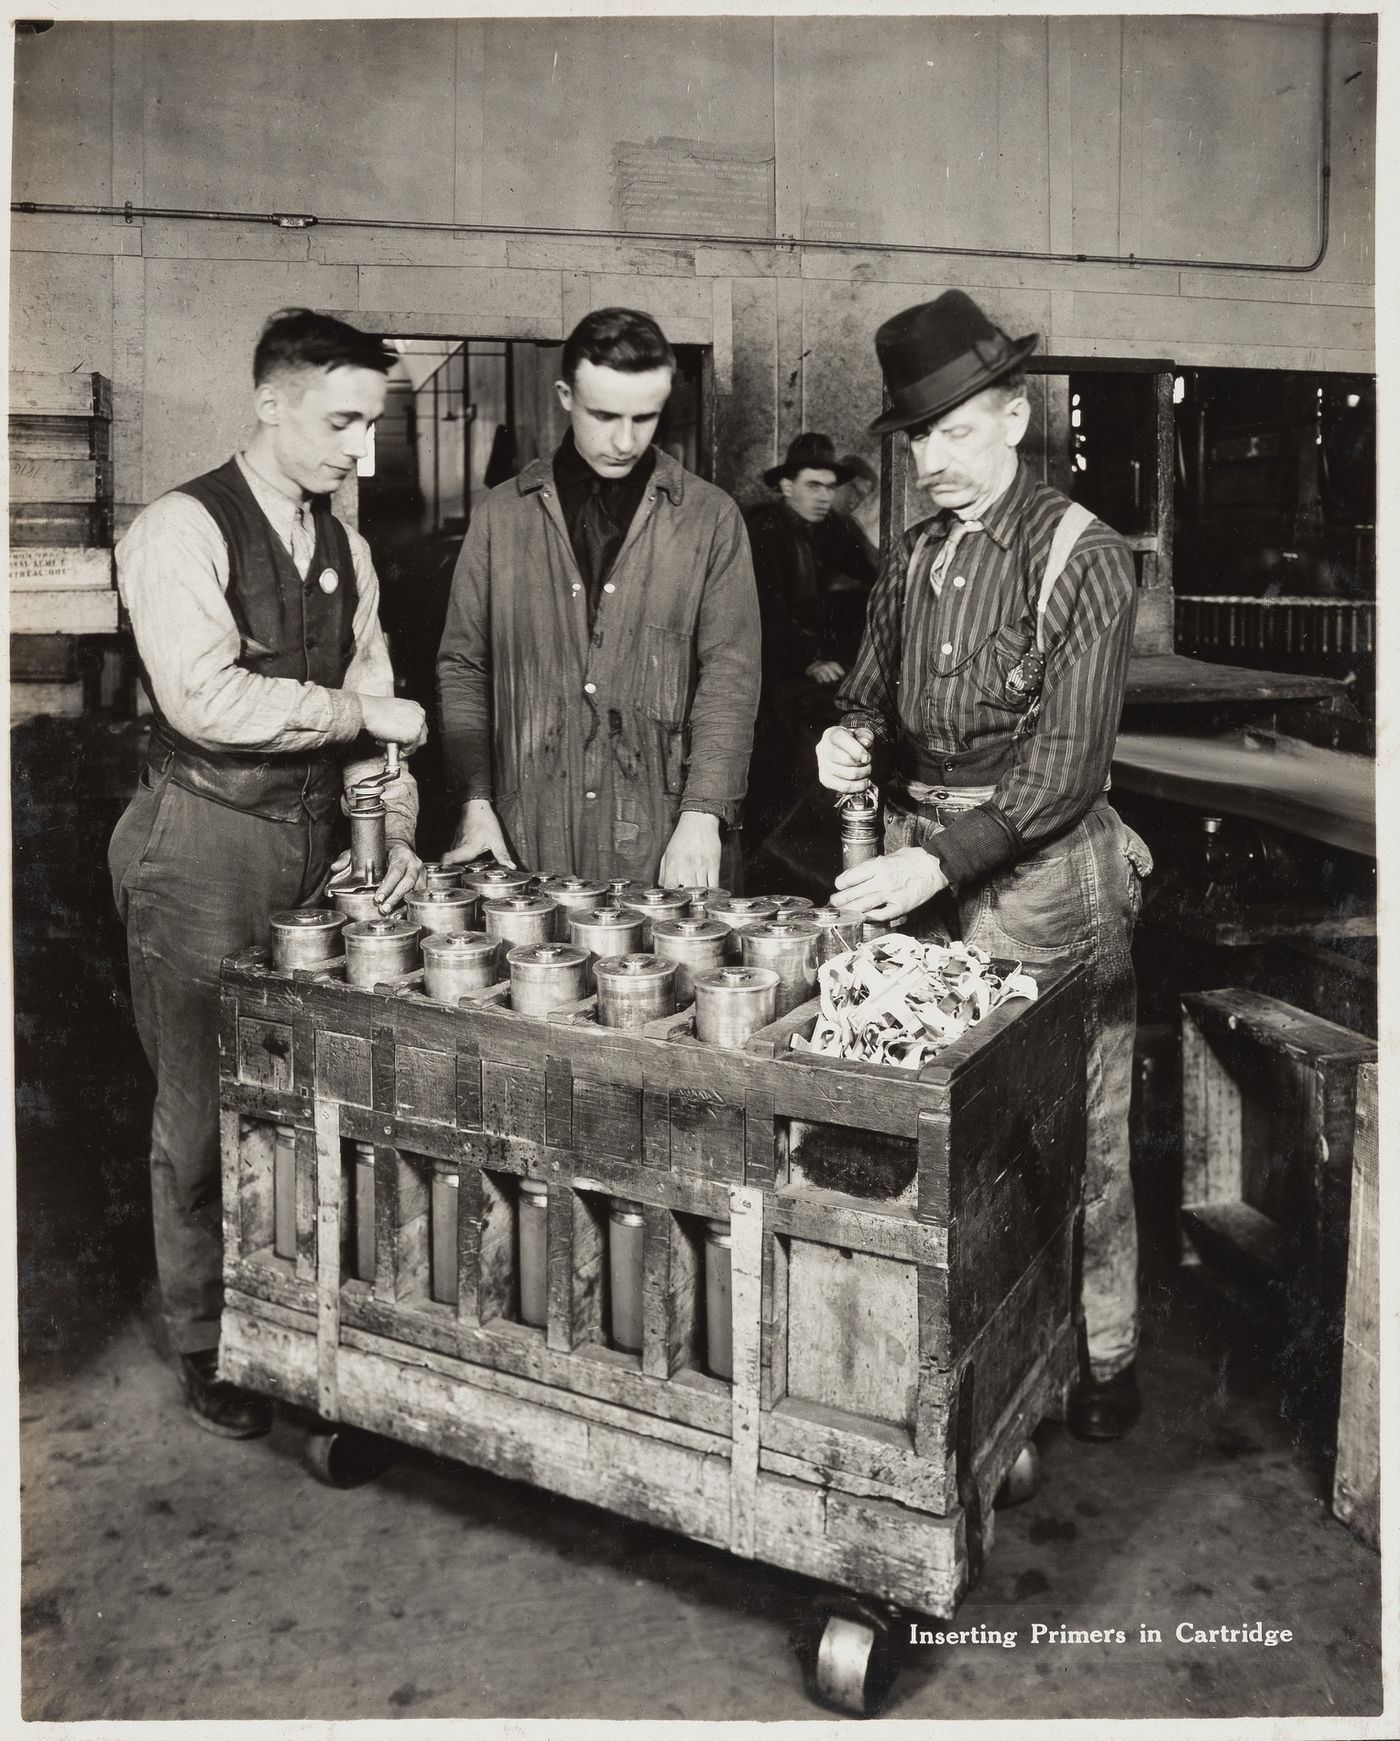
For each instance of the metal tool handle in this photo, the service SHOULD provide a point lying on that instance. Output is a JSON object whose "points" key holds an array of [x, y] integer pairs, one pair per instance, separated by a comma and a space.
{"points": [[373, 784]]}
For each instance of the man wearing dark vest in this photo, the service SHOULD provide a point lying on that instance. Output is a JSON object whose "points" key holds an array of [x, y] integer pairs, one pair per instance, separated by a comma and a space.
{"points": [[991, 689], [255, 612]]}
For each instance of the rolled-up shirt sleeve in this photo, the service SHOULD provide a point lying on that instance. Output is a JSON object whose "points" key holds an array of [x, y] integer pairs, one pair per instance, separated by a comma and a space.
{"points": [[172, 573], [370, 673]]}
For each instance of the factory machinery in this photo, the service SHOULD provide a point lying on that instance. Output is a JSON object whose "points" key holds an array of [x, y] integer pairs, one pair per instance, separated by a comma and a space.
{"points": [[1257, 1006], [533, 1176]]}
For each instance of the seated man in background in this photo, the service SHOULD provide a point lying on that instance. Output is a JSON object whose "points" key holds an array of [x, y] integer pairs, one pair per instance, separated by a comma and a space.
{"points": [[599, 670], [812, 570], [255, 612]]}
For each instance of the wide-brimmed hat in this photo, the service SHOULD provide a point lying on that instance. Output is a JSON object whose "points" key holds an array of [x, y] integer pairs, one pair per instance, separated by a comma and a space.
{"points": [[938, 354], [810, 452]]}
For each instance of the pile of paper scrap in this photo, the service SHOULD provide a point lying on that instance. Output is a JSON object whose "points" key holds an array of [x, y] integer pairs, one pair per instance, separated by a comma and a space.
{"points": [[900, 1001]]}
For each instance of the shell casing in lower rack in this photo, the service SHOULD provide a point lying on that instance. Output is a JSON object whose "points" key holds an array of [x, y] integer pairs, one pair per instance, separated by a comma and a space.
{"points": [[626, 1242], [531, 1232], [378, 950], [520, 919], [694, 945], [305, 937], [442, 1220], [733, 1002], [444, 911], [284, 1192], [546, 976], [361, 1191], [458, 963], [719, 1299], [634, 989]]}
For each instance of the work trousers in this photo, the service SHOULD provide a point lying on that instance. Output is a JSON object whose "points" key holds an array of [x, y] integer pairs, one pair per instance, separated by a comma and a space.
{"points": [[195, 881], [1076, 899]]}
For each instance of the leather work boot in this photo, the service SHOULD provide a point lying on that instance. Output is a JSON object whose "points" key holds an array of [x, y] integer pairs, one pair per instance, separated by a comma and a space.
{"points": [[220, 1407], [1105, 1408]]}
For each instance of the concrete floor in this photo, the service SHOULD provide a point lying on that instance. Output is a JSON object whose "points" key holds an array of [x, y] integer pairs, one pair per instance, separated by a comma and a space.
{"points": [[171, 1575], [167, 1574]]}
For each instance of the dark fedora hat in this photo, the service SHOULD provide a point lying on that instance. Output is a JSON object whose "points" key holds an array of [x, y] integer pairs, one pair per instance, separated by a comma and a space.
{"points": [[810, 452], [938, 354]]}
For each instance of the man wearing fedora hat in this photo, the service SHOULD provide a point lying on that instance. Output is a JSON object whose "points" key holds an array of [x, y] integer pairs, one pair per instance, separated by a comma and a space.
{"points": [[812, 573], [805, 558], [990, 681]]}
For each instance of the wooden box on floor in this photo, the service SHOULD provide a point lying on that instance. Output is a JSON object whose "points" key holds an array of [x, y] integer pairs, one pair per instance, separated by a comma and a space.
{"points": [[1268, 1116], [1356, 1487], [891, 1352]]}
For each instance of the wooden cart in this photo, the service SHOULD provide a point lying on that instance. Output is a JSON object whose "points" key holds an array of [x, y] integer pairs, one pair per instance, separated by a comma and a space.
{"points": [[892, 1352]]}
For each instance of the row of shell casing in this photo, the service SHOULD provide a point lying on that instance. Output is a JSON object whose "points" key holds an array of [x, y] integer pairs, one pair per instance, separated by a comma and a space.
{"points": [[625, 1242], [742, 961]]}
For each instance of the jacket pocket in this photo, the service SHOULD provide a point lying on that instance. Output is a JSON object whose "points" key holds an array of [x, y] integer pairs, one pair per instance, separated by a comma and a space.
{"points": [[663, 684], [675, 753]]}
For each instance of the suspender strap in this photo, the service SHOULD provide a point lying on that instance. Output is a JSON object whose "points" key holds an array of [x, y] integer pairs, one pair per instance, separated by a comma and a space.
{"points": [[1073, 524]]}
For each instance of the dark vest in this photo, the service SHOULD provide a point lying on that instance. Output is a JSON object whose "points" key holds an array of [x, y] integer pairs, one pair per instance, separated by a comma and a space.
{"points": [[289, 628]]}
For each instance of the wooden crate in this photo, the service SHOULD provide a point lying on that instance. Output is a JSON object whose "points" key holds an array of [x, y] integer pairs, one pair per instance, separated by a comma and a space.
{"points": [[1356, 1488], [1268, 1116], [892, 1353]]}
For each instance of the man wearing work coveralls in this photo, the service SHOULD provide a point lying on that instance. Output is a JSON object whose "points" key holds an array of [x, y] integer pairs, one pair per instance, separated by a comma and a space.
{"points": [[599, 669]]}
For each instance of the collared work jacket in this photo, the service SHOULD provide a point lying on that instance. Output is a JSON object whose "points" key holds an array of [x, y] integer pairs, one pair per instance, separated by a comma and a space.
{"points": [[590, 744]]}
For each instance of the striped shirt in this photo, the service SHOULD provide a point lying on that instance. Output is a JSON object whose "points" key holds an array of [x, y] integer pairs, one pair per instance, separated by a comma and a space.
{"points": [[932, 675]]}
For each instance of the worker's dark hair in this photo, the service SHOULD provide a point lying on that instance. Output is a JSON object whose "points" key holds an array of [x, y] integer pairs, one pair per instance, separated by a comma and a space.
{"points": [[1012, 386], [299, 338], [624, 339]]}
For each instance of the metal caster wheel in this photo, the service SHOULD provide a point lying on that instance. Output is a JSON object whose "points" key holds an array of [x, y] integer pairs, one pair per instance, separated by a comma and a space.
{"points": [[346, 1457], [857, 1656], [1023, 1478]]}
